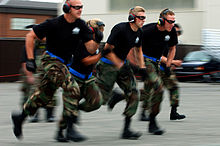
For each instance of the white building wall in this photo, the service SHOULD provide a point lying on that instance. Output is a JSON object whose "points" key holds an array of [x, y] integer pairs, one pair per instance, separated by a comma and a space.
{"points": [[95, 6], [91, 7], [212, 14]]}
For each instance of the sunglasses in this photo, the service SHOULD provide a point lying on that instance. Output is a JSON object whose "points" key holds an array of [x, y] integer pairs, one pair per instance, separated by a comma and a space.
{"points": [[170, 21], [141, 17], [77, 7], [99, 23]]}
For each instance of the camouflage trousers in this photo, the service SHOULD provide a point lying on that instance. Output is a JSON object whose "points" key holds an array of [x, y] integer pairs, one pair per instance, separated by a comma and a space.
{"points": [[91, 96], [27, 90], [54, 74], [171, 84], [107, 75], [153, 86]]}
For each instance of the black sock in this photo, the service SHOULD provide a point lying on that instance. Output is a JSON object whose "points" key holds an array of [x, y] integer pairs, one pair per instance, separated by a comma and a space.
{"points": [[23, 115], [152, 118], [127, 123]]}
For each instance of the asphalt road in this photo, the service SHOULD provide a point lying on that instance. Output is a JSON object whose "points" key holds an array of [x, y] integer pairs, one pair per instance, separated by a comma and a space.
{"points": [[200, 102]]}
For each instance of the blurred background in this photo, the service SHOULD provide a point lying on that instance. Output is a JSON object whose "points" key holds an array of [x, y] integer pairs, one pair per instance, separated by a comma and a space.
{"points": [[198, 19]]}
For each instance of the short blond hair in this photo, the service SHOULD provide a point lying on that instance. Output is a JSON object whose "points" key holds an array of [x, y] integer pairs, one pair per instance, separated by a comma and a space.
{"points": [[136, 9], [94, 23], [166, 12]]}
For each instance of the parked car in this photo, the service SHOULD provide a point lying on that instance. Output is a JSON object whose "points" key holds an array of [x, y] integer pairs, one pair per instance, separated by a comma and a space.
{"points": [[199, 66]]}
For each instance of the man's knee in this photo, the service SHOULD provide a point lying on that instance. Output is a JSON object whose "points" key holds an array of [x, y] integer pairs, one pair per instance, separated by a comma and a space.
{"points": [[97, 102]]}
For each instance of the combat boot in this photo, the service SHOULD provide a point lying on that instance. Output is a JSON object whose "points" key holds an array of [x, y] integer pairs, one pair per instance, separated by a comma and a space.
{"points": [[74, 135], [153, 128], [17, 120], [174, 115], [116, 97], [127, 133], [60, 137], [144, 116], [71, 133], [50, 117]]}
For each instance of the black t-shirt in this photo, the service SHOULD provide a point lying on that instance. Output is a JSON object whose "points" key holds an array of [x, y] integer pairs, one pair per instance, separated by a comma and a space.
{"points": [[77, 65], [62, 38], [155, 42], [165, 52], [124, 38]]}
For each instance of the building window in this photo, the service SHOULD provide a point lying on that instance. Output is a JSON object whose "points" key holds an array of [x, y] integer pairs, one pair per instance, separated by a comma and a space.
{"points": [[20, 23], [118, 5]]}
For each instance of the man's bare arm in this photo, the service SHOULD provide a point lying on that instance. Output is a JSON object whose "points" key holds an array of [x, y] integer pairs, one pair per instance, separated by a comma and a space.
{"points": [[91, 59], [175, 62], [91, 46], [132, 57], [171, 54], [140, 57], [29, 44]]}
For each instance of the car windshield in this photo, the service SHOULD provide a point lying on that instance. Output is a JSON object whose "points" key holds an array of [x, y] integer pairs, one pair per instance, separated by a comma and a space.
{"points": [[197, 56]]}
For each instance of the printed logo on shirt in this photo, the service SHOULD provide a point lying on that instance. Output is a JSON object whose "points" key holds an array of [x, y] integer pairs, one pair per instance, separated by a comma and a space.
{"points": [[137, 40], [167, 38], [76, 30]]}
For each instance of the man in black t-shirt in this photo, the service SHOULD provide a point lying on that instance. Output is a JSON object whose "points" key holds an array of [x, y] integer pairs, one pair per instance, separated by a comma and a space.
{"points": [[81, 70], [63, 35], [114, 67], [171, 83], [156, 38]]}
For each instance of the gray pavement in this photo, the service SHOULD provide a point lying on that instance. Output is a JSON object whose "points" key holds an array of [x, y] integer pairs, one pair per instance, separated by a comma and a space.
{"points": [[200, 102]]}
